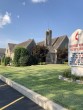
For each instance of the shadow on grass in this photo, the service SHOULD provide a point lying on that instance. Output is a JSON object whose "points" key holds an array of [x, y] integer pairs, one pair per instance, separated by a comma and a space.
{"points": [[46, 83]]}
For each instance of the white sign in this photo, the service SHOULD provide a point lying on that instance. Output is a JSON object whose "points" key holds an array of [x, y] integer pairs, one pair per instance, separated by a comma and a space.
{"points": [[75, 49]]}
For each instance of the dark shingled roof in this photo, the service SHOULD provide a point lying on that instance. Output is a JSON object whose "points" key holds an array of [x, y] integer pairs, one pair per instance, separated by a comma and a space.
{"points": [[11, 46], [24, 44], [2, 50], [58, 41], [55, 41]]}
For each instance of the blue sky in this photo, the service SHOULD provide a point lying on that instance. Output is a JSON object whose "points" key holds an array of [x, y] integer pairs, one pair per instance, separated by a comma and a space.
{"points": [[21, 20]]}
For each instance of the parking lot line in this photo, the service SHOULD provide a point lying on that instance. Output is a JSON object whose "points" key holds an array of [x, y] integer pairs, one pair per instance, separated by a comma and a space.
{"points": [[3, 85], [13, 102], [10, 99]]}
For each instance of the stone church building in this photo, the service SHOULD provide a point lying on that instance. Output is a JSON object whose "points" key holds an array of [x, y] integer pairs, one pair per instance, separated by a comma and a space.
{"points": [[53, 44]]}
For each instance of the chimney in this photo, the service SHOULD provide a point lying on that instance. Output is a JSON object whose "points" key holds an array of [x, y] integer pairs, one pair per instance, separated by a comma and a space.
{"points": [[48, 40]]}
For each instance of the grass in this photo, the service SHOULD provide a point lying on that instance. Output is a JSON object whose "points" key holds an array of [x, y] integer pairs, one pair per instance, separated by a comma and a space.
{"points": [[43, 79]]}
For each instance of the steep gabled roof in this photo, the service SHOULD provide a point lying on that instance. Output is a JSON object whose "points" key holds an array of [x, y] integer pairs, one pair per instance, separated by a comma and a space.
{"points": [[58, 42], [43, 42], [11, 46], [24, 44], [2, 50], [55, 41]]}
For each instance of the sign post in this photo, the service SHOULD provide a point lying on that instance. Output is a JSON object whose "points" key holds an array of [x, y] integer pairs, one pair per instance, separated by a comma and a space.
{"points": [[75, 52]]}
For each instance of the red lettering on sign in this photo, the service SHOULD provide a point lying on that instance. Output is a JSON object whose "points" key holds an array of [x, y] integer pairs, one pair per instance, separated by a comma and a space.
{"points": [[76, 36]]}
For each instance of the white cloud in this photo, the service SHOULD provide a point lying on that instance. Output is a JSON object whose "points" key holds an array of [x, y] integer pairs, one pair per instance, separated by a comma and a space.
{"points": [[5, 19], [39, 1]]}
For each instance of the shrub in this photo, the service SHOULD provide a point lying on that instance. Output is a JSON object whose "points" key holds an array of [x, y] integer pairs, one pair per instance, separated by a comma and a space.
{"points": [[66, 63], [74, 77], [7, 60], [23, 61], [0, 61], [32, 60], [3, 61], [67, 73], [19, 53]]}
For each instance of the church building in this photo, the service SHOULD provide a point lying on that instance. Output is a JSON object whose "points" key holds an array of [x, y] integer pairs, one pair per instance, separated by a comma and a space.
{"points": [[53, 44]]}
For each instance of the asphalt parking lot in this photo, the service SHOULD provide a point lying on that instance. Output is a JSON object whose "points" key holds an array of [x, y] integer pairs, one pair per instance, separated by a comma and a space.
{"points": [[11, 99]]}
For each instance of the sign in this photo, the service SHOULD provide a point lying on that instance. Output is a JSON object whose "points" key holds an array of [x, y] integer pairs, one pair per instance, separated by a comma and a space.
{"points": [[75, 49]]}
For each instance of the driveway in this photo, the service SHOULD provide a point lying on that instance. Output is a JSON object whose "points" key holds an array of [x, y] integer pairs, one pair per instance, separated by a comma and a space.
{"points": [[11, 99]]}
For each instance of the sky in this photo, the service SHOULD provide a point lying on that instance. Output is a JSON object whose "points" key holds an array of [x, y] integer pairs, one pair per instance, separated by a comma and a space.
{"points": [[21, 20]]}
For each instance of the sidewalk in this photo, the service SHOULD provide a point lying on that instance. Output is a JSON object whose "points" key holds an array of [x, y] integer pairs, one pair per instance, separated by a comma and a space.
{"points": [[10, 99]]}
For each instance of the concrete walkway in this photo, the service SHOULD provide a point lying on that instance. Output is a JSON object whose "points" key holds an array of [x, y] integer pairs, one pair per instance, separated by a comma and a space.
{"points": [[10, 99]]}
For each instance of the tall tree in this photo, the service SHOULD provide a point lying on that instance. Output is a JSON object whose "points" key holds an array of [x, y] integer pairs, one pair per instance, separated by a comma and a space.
{"points": [[62, 54], [40, 53]]}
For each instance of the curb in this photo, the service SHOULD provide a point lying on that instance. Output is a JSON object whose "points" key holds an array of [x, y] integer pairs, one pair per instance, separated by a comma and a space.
{"points": [[35, 97]]}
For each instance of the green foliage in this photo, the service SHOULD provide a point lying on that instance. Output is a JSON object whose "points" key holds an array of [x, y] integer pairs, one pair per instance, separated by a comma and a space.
{"points": [[40, 52], [62, 55], [65, 62], [23, 61], [74, 77], [67, 73], [43, 79], [0, 61], [42, 63], [32, 60], [7, 60], [19, 53], [23, 58], [3, 61]]}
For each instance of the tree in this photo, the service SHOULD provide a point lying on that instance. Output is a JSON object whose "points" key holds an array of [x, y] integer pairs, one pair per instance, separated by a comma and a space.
{"points": [[40, 52], [62, 54]]}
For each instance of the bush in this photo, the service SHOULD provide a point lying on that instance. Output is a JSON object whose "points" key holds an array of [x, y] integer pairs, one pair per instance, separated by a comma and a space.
{"points": [[66, 63], [32, 60], [23, 61], [77, 77], [0, 61], [67, 73], [3, 61], [19, 53], [7, 60]]}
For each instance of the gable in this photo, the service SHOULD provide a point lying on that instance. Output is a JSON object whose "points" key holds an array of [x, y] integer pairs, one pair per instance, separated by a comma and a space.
{"points": [[24, 44]]}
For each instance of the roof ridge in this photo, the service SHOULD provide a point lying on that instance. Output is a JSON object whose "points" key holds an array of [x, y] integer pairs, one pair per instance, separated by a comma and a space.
{"points": [[25, 41]]}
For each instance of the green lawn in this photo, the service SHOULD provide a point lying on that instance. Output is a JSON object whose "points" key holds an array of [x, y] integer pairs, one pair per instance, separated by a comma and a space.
{"points": [[44, 80]]}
